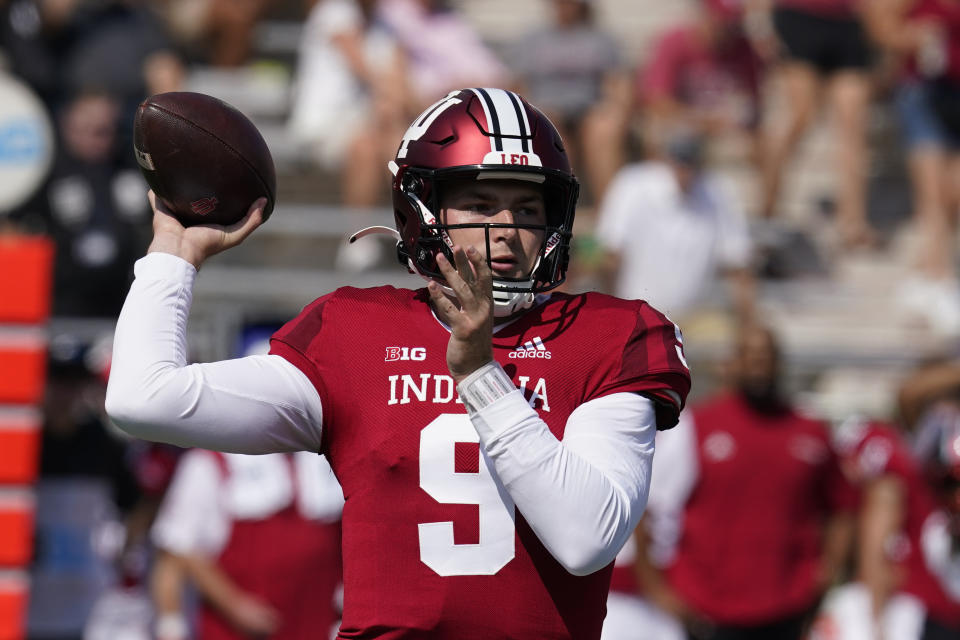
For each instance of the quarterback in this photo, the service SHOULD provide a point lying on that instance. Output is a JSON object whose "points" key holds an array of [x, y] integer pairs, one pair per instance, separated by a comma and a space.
{"points": [[494, 438]]}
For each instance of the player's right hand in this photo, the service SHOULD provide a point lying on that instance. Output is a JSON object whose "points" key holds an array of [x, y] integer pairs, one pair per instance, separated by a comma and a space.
{"points": [[197, 243]]}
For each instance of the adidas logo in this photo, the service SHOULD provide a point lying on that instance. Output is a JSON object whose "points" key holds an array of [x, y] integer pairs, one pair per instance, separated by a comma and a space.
{"points": [[531, 349]]}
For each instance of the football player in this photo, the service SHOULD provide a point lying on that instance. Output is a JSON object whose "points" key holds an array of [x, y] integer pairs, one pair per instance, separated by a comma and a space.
{"points": [[493, 437], [907, 584]]}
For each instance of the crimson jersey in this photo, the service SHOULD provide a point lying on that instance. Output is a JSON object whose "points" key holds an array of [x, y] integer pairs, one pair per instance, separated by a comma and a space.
{"points": [[432, 545], [279, 574], [871, 450], [752, 527]]}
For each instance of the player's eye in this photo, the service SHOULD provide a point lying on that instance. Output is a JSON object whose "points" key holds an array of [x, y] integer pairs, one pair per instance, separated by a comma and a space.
{"points": [[530, 211]]}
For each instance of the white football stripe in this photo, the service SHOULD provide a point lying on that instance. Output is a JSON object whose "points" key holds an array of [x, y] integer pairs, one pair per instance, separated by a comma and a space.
{"points": [[510, 123], [486, 112]]}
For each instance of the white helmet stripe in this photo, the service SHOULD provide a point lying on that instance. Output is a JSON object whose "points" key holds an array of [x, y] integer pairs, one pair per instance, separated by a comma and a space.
{"points": [[486, 111], [506, 120], [525, 137]]}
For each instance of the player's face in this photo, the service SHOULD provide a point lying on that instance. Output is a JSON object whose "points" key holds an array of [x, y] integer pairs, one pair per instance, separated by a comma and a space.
{"points": [[513, 252], [757, 363]]}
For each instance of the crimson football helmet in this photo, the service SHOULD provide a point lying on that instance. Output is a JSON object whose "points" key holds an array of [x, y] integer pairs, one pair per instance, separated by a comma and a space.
{"points": [[483, 134]]}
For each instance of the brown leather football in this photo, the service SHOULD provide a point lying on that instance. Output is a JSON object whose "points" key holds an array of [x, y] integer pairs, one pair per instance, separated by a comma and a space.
{"points": [[203, 158]]}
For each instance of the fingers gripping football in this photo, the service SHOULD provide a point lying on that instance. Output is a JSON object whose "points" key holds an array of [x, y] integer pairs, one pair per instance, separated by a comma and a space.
{"points": [[471, 325], [197, 243]]}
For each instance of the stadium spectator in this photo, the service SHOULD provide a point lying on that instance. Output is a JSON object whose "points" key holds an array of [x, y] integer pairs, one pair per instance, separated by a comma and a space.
{"points": [[349, 105], [824, 53], [258, 537], [770, 476], [925, 37], [120, 47], [444, 50], [896, 595], [695, 232], [574, 70], [67, 47], [92, 207], [228, 28], [701, 78], [479, 503], [348, 97], [33, 35]]}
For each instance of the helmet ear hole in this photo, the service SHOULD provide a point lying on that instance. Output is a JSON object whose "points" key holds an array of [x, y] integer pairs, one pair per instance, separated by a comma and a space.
{"points": [[412, 183]]}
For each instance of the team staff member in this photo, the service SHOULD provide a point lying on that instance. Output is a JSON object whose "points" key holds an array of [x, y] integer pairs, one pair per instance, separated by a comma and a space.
{"points": [[259, 538], [766, 512], [493, 441]]}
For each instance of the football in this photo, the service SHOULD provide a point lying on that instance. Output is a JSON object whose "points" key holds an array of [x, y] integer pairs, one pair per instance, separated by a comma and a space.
{"points": [[203, 158]]}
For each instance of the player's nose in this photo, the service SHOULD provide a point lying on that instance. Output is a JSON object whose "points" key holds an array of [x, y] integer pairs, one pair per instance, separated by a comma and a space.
{"points": [[504, 216]]}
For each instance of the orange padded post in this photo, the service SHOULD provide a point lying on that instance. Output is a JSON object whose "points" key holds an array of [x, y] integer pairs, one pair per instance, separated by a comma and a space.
{"points": [[26, 272], [16, 527], [19, 445], [26, 263], [23, 365], [14, 586]]}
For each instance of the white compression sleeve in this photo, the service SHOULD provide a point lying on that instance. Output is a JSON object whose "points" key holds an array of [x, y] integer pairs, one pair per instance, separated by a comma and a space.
{"points": [[583, 496], [257, 404]]}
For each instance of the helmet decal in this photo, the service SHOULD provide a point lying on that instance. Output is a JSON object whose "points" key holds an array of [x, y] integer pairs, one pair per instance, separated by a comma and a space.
{"points": [[420, 126]]}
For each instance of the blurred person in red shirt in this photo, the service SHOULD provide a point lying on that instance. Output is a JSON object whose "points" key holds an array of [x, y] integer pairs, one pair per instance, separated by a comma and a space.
{"points": [[897, 594], [259, 537], [925, 36], [766, 512], [702, 77], [824, 54]]}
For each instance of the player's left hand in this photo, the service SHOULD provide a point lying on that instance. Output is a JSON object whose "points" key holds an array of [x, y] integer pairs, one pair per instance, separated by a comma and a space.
{"points": [[471, 325]]}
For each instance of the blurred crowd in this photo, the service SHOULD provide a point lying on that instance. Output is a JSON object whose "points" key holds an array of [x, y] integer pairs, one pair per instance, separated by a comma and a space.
{"points": [[763, 522]]}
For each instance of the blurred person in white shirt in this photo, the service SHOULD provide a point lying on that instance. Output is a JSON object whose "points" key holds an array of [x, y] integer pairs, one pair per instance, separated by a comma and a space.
{"points": [[695, 229], [350, 71]]}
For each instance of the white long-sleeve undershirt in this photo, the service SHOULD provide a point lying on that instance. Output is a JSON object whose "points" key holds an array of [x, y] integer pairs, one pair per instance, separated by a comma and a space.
{"points": [[583, 496]]}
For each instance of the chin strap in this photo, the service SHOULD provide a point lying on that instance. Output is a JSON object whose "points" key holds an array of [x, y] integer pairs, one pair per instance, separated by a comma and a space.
{"points": [[507, 303]]}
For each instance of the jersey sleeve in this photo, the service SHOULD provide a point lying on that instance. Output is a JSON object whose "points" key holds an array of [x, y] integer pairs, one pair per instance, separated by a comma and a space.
{"points": [[299, 340], [652, 364], [879, 455], [841, 494]]}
